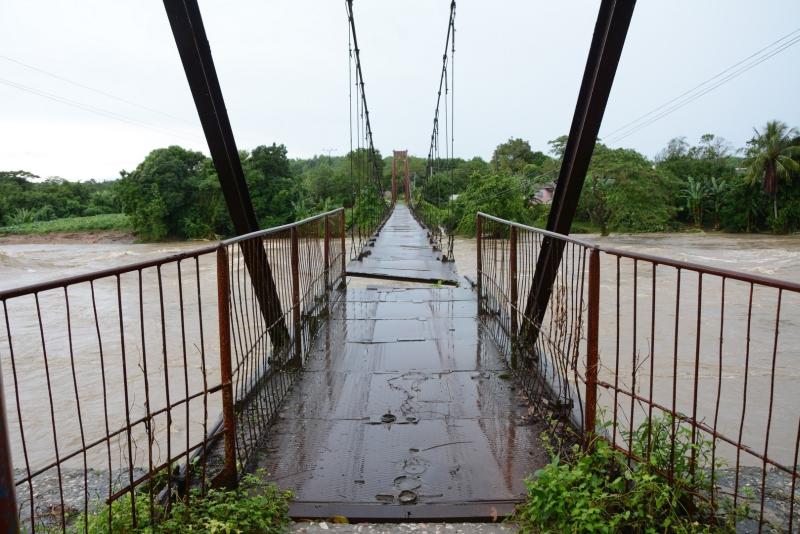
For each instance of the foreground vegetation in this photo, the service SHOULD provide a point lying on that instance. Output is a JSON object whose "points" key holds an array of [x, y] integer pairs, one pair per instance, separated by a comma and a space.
{"points": [[174, 192], [598, 489], [253, 507]]}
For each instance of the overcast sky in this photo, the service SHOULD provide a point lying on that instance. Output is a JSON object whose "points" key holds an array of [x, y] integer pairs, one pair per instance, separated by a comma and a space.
{"points": [[283, 69]]}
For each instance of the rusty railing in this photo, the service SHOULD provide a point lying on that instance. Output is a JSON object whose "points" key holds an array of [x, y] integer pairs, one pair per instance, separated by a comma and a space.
{"points": [[139, 383], [630, 339]]}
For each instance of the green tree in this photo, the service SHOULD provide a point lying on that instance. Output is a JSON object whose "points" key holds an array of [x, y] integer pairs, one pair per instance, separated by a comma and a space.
{"points": [[498, 194], [273, 190], [595, 202], [160, 193], [770, 154], [512, 156]]}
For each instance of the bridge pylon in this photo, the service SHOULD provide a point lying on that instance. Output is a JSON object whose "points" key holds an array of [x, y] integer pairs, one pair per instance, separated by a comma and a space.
{"points": [[401, 155]]}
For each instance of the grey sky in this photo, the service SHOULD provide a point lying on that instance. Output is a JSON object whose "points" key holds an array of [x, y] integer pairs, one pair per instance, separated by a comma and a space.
{"points": [[283, 70]]}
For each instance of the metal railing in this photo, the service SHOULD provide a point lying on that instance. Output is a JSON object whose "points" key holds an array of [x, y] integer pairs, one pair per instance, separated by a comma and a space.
{"points": [[142, 382], [631, 339]]}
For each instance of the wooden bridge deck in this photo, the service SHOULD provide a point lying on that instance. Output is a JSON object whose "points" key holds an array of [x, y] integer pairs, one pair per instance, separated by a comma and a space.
{"points": [[402, 252], [403, 398]]}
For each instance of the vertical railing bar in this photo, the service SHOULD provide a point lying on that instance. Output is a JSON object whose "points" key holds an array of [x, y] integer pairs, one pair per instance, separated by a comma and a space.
{"points": [[134, 518], [634, 355], [52, 413], [203, 476], [105, 396], [188, 473], [769, 411], [675, 377], [327, 253], [614, 425], [512, 261], [295, 270], [78, 407], [794, 475], [9, 517], [693, 455], [744, 397], [652, 363], [149, 423], [228, 476], [592, 343], [479, 263], [719, 394], [166, 379]]}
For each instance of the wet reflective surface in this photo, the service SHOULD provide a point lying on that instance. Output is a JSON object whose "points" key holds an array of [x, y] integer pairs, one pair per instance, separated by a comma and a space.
{"points": [[404, 408], [402, 252]]}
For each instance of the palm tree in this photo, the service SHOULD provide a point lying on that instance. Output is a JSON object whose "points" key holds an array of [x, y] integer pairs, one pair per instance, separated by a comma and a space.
{"points": [[717, 189], [770, 155], [695, 195]]}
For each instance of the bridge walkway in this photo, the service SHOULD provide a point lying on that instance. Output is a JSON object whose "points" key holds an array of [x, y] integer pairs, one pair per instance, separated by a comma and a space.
{"points": [[404, 408], [401, 251]]}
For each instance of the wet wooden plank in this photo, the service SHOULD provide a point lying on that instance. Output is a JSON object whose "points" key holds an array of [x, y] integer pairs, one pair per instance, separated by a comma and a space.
{"points": [[460, 438], [402, 252]]}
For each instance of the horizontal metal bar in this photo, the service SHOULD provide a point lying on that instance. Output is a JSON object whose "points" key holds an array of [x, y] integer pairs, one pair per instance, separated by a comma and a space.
{"points": [[658, 260], [283, 227], [104, 273], [541, 231], [705, 269]]}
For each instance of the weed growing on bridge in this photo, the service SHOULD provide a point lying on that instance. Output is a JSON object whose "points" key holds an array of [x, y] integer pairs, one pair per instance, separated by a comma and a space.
{"points": [[254, 506], [598, 489]]}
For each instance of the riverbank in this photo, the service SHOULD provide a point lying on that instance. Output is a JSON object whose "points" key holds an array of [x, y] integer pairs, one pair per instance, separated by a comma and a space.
{"points": [[89, 237], [106, 228]]}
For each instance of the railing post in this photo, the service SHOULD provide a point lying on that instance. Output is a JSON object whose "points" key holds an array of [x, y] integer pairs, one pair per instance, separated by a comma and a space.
{"points": [[592, 337], [327, 253], [298, 333], [8, 493], [512, 275], [479, 262], [228, 476], [343, 238]]}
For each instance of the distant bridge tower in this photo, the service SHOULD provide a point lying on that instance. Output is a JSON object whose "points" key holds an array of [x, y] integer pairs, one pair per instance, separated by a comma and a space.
{"points": [[403, 155]]}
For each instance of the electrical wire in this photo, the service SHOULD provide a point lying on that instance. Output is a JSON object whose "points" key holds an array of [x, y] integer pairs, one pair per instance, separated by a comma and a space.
{"points": [[702, 89], [95, 90], [96, 110]]}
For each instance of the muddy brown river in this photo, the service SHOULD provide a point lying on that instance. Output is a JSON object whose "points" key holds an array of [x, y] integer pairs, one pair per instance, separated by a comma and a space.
{"points": [[22, 264]]}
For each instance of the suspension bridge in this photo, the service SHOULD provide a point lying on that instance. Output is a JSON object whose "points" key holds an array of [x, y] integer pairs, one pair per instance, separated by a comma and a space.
{"points": [[346, 355]]}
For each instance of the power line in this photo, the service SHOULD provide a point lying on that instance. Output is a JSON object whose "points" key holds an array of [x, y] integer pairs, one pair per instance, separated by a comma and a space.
{"points": [[703, 88], [98, 91], [93, 109]]}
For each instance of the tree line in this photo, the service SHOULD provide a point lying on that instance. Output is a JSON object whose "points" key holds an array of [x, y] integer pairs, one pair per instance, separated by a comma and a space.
{"points": [[174, 193]]}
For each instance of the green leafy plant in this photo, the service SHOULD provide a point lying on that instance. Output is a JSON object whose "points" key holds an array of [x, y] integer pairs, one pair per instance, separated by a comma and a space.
{"points": [[598, 489], [255, 506]]}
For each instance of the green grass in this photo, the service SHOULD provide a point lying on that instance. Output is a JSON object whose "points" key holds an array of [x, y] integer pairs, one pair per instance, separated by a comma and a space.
{"points": [[111, 221]]}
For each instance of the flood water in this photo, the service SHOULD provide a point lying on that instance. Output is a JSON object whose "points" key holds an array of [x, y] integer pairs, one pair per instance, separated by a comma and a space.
{"points": [[22, 264]]}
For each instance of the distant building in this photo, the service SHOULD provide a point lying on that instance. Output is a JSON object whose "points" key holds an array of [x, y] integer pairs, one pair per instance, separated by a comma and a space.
{"points": [[544, 195]]}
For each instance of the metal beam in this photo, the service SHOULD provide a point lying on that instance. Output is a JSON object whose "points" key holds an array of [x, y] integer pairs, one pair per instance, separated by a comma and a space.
{"points": [[608, 40], [195, 52]]}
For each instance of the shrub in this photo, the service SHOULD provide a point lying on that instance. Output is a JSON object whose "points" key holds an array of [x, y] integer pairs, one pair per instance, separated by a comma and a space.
{"points": [[600, 490], [254, 506]]}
